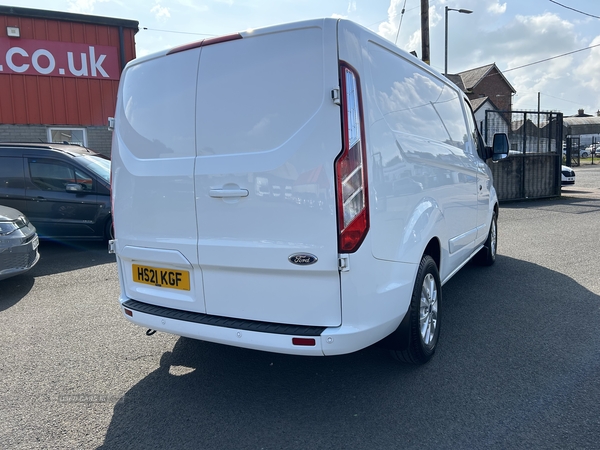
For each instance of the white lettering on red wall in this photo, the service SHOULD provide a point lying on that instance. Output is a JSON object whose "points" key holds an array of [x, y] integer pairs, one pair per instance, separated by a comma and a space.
{"points": [[58, 59]]}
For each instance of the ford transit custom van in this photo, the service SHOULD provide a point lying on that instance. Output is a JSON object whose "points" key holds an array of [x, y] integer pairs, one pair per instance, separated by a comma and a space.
{"points": [[305, 188]]}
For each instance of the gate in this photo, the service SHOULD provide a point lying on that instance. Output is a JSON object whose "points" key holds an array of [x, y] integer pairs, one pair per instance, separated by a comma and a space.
{"points": [[532, 169], [572, 151]]}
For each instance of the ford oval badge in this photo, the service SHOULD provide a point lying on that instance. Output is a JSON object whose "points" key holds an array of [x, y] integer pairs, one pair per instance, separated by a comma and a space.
{"points": [[302, 259]]}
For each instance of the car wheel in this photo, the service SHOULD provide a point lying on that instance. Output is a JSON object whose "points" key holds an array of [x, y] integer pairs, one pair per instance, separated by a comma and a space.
{"points": [[487, 255], [584, 155], [109, 230], [424, 315]]}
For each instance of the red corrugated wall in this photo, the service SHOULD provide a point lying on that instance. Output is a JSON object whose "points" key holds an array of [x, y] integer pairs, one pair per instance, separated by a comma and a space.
{"points": [[52, 100]]}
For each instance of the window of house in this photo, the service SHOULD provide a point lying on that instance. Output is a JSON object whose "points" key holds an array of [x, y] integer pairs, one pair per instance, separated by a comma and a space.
{"points": [[76, 136]]}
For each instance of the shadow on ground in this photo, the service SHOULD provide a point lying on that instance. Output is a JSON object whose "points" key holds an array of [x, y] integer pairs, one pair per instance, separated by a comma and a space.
{"points": [[507, 375], [55, 258]]}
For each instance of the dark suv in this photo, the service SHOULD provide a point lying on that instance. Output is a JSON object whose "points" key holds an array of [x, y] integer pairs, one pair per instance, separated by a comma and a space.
{"points": [[63, 189]]}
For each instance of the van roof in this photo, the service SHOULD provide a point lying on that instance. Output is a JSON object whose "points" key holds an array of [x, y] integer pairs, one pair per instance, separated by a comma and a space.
{"points": [[239, 34]]}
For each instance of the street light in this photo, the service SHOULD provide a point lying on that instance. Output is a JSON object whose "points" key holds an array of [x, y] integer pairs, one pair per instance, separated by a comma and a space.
{"points": [[462, 11]]}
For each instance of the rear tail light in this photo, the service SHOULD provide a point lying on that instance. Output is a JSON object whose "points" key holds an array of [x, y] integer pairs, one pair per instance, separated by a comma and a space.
{"points": [[351, 168]]}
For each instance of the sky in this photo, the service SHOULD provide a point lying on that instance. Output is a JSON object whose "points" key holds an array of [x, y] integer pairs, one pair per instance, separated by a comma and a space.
{"points": [[509, 33]]}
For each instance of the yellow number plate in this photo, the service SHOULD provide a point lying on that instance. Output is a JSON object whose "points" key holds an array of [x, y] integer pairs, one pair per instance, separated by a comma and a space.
{"points": [[155, 276]]}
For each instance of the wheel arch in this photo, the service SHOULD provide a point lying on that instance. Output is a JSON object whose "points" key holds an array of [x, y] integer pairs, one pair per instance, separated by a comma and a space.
{"points": [[108, 222], [434, 249]]}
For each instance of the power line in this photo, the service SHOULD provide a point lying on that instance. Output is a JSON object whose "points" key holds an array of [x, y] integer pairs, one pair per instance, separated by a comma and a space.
{"points": [[400, 23], [552, 57], [177, 32], [391, 17], [558, 98], [576, 10]]}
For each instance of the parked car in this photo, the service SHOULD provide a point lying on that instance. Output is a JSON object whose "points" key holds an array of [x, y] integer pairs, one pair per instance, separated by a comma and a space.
{"points": [[18, 243], [63, 189], [567, 175], [591, 149], [584, 152]]}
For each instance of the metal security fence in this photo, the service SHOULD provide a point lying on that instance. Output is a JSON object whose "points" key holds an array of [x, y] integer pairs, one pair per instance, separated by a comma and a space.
{"points": [[532, 169], [573, 156]]}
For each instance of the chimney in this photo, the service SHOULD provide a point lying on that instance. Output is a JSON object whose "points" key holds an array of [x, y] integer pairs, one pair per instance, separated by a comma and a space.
{"points": [[580, 113]]}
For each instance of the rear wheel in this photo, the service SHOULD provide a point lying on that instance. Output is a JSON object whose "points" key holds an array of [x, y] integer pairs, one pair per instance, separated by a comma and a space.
{"points": [[487, 255], [109, 230], [424, 315]]}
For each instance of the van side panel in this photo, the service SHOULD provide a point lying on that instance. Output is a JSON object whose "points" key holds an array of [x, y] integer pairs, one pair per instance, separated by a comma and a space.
{"points": [[422, 174], [427, 161]]}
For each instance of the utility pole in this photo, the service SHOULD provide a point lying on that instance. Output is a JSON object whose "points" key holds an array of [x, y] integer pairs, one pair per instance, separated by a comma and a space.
{"points": [[425, 31]]}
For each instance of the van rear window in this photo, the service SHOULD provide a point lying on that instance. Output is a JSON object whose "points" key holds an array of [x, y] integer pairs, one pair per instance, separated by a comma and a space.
{"points": [[158, 106], [255, 93]]}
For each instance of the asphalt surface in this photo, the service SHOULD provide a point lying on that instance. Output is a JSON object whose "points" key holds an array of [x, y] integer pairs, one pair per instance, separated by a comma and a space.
{"points": [[518, 364]]}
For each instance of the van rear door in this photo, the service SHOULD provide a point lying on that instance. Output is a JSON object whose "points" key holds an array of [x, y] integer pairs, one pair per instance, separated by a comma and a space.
{"points": [[267, 135]]}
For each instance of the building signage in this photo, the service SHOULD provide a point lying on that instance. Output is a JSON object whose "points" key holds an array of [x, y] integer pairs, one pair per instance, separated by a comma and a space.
{"points": [[58, 59]]}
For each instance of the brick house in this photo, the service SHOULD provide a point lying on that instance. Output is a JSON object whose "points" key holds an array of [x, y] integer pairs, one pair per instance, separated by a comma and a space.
{"points": [[487, 89]]}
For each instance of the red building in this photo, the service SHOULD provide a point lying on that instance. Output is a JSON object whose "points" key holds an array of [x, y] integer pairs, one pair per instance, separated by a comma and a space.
{"points": [[59, 75]]}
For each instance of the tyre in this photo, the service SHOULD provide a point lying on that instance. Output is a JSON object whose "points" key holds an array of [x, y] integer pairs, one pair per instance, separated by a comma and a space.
{"points": [[487, 255], [584, 155], [109, 230], [423, 326]]}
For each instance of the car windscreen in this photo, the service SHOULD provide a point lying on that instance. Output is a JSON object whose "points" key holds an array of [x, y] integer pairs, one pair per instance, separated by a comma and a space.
{"points": [[98, 164]]}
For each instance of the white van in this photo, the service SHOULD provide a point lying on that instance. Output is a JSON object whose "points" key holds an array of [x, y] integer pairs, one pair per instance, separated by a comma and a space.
{"points": [[305, 188]]}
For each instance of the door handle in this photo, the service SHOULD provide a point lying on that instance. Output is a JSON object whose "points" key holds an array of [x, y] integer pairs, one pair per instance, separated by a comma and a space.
{"points": [[228, 193], [40, 199]]}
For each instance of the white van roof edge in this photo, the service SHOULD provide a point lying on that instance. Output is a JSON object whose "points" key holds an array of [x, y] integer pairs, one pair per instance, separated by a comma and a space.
{"points": [[250, 32], [270, 29]]}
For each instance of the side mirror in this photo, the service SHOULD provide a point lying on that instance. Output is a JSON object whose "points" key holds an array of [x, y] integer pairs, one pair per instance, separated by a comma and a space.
{"points": [[73, 187], [500, 147]]}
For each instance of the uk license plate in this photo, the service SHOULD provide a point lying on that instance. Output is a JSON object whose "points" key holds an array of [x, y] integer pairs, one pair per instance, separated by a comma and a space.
{"points": [[157, 276]]}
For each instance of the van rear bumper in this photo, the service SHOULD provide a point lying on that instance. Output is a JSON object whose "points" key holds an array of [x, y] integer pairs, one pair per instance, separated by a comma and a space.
{"points": [[262, 336]]}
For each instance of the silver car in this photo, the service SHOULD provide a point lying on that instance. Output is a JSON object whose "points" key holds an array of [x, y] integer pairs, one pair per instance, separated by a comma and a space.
{"points": [[18, 243]]}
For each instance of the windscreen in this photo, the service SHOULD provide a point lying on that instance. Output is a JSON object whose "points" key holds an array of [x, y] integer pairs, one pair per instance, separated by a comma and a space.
{"points": [[97, 164]]}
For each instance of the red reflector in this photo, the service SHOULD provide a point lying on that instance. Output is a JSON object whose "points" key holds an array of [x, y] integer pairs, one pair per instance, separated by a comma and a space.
{"points": [[304, 341], [128, 312]]}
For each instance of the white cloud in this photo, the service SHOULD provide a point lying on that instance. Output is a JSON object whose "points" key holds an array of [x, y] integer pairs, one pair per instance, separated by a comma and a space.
{"points": [[194, 5], [495, 34], [83, 6], [497, 8], [409, 37], [351, 6], [160, 12], [388, 29], [588, 70]]}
